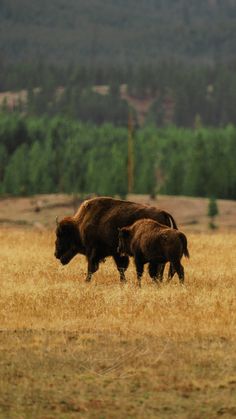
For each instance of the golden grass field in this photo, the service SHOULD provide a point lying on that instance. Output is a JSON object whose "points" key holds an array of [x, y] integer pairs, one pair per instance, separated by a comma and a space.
{"points": [[102, 350]]}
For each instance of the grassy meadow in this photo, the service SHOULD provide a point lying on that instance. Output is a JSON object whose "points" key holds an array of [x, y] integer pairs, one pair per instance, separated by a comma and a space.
{"points": [[103, 350]]}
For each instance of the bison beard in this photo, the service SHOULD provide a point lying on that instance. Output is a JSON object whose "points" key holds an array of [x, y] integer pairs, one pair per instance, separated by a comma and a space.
{"points": [[93, 231]]}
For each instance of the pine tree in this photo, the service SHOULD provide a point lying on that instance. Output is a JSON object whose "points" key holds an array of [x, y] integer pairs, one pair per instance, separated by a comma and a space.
{"points": [[16, 180], [212, 212]]}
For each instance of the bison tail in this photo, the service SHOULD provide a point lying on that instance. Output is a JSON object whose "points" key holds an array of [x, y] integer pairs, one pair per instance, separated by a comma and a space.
{"points": [[172, 220], [183, 239]]}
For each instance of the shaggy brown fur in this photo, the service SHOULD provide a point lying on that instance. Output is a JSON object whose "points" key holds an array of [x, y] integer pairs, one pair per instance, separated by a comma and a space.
{"points": [[93, 231], [150, 242]]}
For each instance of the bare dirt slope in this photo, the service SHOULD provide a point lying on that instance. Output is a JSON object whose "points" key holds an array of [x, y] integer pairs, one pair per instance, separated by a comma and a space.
{"points": [[141, 105], [40, 211]]}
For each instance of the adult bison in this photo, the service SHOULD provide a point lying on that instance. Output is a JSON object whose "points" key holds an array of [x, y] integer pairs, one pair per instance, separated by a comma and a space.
{"points": [[93, 231], [151, 242]]}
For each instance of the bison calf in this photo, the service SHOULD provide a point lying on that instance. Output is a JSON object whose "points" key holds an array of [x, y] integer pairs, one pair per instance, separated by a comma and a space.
{"points": [[150, 242]]}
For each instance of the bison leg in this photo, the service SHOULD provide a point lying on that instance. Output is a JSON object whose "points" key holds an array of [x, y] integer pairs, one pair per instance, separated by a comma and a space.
{"points": [[180, 271], [171, 272], [93, 265], [155, 271], [122, 263], [139, 269], [160, 271]]}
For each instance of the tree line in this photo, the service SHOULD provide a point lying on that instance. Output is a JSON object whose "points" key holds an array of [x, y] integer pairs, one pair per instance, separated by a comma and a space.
{"points": [[58, 154], [180, 93]]}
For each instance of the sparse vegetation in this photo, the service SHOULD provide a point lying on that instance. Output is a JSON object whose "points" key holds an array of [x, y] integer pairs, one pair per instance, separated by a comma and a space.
{"points": [[69, 349]]}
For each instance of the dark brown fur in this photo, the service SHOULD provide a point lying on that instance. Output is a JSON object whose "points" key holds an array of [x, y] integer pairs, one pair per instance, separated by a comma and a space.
{"points": [[150, 242], [93, 230]]}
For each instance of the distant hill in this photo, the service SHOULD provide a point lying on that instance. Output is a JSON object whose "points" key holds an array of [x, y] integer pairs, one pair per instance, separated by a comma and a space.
{"points": [[117, 31], [40, 211]]}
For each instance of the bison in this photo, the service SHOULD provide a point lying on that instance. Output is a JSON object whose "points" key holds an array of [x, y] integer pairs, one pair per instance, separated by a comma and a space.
{"points": [[150, 242], [93, 231]]}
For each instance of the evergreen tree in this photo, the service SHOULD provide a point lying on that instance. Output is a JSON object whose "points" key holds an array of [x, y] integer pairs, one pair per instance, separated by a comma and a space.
{"points": [[197, 168], [3, 164], [16, 180], [212, 212]]}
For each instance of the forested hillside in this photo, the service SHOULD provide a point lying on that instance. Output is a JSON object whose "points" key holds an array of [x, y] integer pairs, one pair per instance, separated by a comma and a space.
{"points": [[176, 57], [46, 155], [121, 31], [182, 95]]}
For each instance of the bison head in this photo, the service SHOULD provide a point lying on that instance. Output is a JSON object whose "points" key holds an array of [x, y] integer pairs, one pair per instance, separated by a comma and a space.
{"points": [[68, 242], [123, 241]]}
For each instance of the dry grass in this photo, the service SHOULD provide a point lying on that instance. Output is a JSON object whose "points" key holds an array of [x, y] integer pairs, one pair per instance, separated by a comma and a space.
{"points": [[69, 349]]}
